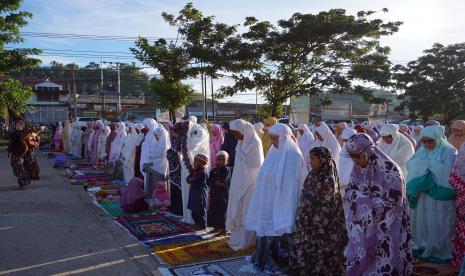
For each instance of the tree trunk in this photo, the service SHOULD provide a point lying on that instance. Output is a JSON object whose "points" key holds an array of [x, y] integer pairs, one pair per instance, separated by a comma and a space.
{"points": [[172, 116]]}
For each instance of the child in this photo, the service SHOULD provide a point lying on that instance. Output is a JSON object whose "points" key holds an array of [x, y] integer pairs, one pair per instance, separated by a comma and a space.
{"points": [[218, 181], [161, 195], [197, 202]]}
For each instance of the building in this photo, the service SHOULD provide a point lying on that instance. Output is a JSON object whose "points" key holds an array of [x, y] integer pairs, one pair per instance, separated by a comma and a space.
{"points": [[224, 112], [48, 104]]}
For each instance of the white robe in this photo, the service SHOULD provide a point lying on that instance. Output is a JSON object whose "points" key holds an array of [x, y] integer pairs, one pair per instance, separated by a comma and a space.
{"points": [[306, 142], [329, 141], [117, 144], [151, 125], [276, 194], [128, 155], [400, 150], [101, 153], [433, 220], [198, 141], [77, 143], [248, 160]]}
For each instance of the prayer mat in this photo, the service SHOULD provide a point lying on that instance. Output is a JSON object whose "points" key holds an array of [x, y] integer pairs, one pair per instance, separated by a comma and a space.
{"points": [[427, 269], [114, 210], [90, 171], [175, 241], [202, 251], [146, 227], [230, 267]]}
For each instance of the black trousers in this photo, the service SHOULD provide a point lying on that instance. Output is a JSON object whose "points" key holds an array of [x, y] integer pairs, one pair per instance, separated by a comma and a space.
{"points": [[200, 219]]}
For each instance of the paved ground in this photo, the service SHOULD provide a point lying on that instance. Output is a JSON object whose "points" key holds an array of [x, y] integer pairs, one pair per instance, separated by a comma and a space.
{"points": [[52, 228]]}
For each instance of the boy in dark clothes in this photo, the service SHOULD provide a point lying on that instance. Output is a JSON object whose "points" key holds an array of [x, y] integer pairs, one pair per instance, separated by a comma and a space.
{"points": [[197, 202], [218, 181]]}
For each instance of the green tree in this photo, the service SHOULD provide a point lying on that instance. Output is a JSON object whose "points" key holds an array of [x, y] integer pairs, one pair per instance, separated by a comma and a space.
{"points": [[434, 84], [11, 60], [13, 97], [170, 96], [172, 62], [266, 111], [309, 53]]}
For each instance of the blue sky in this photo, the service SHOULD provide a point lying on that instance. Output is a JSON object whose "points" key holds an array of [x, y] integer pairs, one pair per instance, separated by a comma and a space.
{"points": [[425, 22]]}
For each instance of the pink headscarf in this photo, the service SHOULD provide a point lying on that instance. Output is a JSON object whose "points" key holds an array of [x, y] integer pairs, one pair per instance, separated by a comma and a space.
{"points": [[216, 140], [133, 192]]}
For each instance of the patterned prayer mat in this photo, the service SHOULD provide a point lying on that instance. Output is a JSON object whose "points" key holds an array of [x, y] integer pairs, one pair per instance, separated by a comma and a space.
{"points": [[202, 251], [146, 227], [114, 210], [180, 240], [91, 171], [230, 267], [427, 269]]}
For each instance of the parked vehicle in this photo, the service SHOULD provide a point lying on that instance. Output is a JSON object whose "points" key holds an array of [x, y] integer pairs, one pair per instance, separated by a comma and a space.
{"points": [[82, 121], [412, 122]]}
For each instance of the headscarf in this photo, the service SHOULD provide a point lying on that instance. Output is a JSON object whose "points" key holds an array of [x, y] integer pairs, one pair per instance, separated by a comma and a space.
{"points": [[435, 132], [403, 128], [359, 128], [305, 142], [249, 159], [369, 130], [149, 138], [320, 230], [378, 213], [400, 150], [258, 129], [117, 143], [329, 141], [345, 162], [414, 135], [229, 144], [216, 140], [432, 123], [266, 141], [339, 129], [454, 140], [133, 192], [158, 150], [279, 184]]}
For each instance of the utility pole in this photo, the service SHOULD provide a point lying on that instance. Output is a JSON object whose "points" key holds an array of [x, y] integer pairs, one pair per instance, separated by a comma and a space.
{"points": [[213, 101], [256, 105], [118, 106], [75, 93], [206, 95], [101, 88], [204, 98]]}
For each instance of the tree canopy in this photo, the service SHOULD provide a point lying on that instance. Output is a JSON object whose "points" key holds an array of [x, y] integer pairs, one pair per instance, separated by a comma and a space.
{"points": [[12, 94], [309, 53], [434, 84]]}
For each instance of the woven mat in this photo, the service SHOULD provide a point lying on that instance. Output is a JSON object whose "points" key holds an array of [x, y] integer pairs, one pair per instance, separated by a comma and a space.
{"points": [[180, 240], [155, 226], [232, 267], [427, 269], [202, 251], [114, 210]]}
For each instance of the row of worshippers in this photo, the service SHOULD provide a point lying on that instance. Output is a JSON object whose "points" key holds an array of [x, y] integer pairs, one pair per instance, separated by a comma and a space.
{"points": [[186, 160], [433, 184]]}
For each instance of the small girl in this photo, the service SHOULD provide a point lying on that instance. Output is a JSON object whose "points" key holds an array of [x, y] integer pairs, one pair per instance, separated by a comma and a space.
{"points": [[218, 181], [161, 196], [197, 202]]}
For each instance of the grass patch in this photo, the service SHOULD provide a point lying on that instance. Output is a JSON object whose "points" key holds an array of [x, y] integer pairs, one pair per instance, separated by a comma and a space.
{"points": [[3, 142]]}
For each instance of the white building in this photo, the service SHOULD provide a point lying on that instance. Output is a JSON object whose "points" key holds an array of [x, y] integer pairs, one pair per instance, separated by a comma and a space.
{"points": [[49, 104]]}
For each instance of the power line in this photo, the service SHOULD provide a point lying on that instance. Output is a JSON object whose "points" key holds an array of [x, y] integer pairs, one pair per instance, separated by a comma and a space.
{"points": [[91, 36], [73, 51]]}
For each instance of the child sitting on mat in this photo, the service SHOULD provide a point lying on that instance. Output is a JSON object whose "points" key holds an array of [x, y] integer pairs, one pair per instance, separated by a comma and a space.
{"points": [[218, 181], [132, 197], [197, 202], [161, 195]]}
